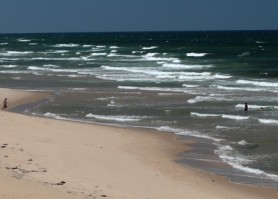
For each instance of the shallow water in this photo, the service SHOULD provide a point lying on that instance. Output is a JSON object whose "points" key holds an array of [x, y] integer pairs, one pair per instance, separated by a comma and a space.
{"points": [[189, 83]]}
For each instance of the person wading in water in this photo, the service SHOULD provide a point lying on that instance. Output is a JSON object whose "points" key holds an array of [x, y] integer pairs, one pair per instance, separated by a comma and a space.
{"points": [[246, 107]]}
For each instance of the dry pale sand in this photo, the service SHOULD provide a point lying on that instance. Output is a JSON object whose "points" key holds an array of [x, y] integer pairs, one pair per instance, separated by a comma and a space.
{"points": [[43, 158]]}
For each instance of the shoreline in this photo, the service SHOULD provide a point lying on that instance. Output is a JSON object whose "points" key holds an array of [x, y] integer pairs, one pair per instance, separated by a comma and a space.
{"points": [[132, 163]]}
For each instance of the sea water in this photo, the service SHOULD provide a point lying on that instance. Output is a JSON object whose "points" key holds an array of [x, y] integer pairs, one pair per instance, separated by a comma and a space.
{"points": [[192, 84]]}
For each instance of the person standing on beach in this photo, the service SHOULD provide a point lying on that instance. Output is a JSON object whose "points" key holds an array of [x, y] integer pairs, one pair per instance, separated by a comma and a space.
{"points": [[5, 104], [246, 107]]}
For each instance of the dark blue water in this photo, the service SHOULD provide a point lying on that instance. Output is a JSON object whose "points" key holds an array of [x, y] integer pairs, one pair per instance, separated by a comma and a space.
{"points": [[189, 83]]}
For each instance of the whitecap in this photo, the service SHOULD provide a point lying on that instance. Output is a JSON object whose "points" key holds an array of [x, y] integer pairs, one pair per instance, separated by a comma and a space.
{"points": [[87, 46], [190, 86], [66, 45], [17, 53], [149, 48], [241, 106], [258, 83], [98, 54], [8, 66], [243, 143], [184, 66], [150, 54], [204, 114], [235, 117], [57, 51], [231, 157], [36, 68], [186, 133], [118, 118], [196, 54], [244, 54], [79, 89], [16, 78], [51, 65], [240, 88], [226, 127], [219, 76], [154, 89], [23, 40], [114, 47], [207, 98], [268, 121], [52, 115], [139, 52]]}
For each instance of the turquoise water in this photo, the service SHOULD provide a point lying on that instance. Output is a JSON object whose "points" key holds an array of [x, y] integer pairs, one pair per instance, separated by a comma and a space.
{"points": [[189, 83]]}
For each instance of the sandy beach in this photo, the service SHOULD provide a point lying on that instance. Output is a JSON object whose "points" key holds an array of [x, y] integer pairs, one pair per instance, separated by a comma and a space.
{"points": [[43, 158]]}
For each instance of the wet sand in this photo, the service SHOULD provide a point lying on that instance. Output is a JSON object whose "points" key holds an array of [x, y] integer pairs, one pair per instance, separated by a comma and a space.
{"points": [[45, 158]]}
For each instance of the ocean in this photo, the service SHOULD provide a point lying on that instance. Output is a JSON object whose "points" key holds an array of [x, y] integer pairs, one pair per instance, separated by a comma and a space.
{"points": [[192, 84]]}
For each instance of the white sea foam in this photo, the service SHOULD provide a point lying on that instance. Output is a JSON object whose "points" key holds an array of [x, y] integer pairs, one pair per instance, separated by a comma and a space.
{"points": [[36, 68], [122, 56], [66, 45], [56, 59], [226, 127], [112, 103], [196, 54], [87, 46], [268, 121], [186, 133], [16, 53], [51, 65], [2, 44], [105, 98], [98, 54], [258, 83], [101, 46], [118, 118], [176, 61], [204, 114], [157, 59], [33, 44], [16, 78], [240, 88], [154, 89], [243, 143], [235, 117], [57, 51], [23, 40], [153, 74], [79, 89], [207, 99], [139, 52], [114, 47], [231, 157], [219, 76], [8, 66], [241, 106], [149, 48], [244, 54], [150, 54], [52, 115], [260, 42], [184, 66], [190, 86]]}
